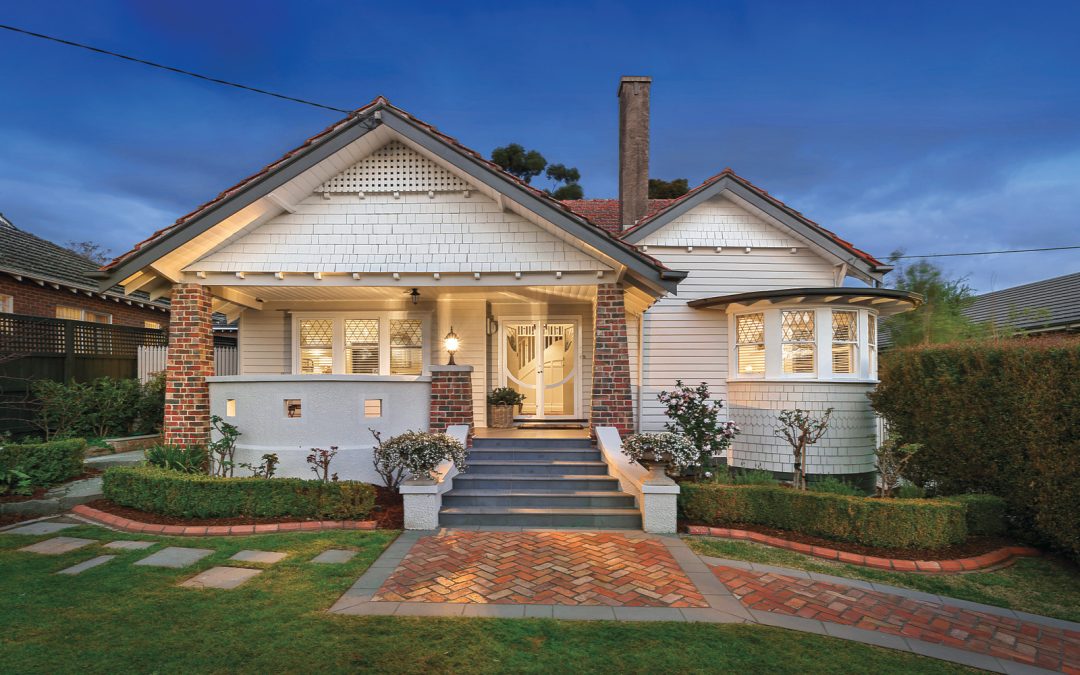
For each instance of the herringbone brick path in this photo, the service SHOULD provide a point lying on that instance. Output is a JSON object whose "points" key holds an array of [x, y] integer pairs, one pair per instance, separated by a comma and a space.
{"points": [[559, 568], [1022, 641]]}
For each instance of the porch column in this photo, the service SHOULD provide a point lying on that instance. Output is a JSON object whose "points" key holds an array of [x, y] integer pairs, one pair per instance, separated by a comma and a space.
{"points": [[451, 398], [190, 362], [612, 403]]}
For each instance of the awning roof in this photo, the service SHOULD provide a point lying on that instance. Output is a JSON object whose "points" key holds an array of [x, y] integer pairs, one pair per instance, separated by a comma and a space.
{"points": [[886, 301]]}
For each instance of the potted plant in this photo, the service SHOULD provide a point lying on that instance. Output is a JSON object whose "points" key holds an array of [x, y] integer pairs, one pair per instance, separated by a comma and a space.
{"points": [[661, 452], [503, 400]]}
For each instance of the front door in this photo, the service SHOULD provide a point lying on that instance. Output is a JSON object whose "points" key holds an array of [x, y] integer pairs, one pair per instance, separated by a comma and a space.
{"points": [[539, 359]]}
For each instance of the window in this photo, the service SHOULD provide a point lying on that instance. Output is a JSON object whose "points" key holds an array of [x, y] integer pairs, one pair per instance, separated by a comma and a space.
{"points": [[797, 336], [98, 317], [871, 341], [230, 407], [7, 304], [373, 407], [292, 408], [316, 346], [406, 347], [77, 314], [750, 344], [151, 324], [845, 338], [362, 346]]}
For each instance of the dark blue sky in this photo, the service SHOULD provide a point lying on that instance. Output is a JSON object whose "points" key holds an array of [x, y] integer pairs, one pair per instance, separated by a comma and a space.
{"points": [[933, 127]]}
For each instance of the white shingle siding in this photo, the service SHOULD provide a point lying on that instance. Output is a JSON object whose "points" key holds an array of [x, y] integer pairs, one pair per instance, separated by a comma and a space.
{"points": [[719, 222], [448, 232]]}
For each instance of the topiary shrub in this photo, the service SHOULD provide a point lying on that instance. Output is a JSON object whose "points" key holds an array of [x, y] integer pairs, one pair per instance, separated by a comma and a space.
{"points": [[985, 514], [46, 463], [891, 523], [185, 495]]}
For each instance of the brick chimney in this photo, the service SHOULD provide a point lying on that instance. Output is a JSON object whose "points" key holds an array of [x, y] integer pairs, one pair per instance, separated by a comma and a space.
{"points": [[633, 149]]}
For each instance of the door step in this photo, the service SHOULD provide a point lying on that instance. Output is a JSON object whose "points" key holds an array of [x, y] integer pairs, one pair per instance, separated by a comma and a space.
{"points": [[622, 518]]}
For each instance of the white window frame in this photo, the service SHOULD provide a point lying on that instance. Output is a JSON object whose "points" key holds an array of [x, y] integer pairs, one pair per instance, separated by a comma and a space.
{"points": [[338, 340], [736, 344], [857, 368], [83, 313], [816, 342]]}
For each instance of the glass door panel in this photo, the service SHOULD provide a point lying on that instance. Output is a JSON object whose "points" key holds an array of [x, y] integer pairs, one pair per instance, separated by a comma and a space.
{"points": [[521, 363], [559, 378], [540, 362]]}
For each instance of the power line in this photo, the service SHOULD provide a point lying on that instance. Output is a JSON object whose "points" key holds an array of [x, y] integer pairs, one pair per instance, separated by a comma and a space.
{"points": [[1014, 250], [171, 69]]}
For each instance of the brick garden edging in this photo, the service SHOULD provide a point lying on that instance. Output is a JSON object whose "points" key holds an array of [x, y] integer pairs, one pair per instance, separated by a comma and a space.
{"points": [[128, 525], [992, 559]]}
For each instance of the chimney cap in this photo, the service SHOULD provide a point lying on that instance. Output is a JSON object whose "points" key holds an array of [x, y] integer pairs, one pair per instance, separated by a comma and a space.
{"points": [[628, 79]]}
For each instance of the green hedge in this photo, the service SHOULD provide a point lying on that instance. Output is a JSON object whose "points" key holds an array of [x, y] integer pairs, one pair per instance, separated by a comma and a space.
{"points": [[46, 463], [985, 514], [996, 417], [185, 495], [893, 523]]}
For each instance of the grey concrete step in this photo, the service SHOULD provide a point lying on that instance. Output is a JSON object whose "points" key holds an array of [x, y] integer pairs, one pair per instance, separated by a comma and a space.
{"points": [[573, 454], [533, 482], [130, 458], [537, 467], [621, 518], [531, 443], [604, 499]]}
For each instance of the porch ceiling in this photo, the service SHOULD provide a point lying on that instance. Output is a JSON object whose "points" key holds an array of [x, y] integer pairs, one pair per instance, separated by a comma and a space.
{"points": [[494, 294]]}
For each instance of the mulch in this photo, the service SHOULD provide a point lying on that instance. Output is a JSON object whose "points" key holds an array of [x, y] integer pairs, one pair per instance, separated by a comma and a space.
{"points": [[39, 492], [12, 518], [974, 546], [389, 512]]}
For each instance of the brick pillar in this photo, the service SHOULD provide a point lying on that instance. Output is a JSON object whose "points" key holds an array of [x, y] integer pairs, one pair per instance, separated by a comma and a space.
{"points": [[190, 362], [612, 403], [451, 397]]}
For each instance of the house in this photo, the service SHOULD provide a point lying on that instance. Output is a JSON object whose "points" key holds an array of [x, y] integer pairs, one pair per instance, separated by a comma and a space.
{"points": [[348, 260], [1041, 307], [40, 278]]}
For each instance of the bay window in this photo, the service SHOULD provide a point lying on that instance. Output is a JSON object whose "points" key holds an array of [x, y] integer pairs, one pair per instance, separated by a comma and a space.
{"points": [[750, 344], [797, 331], [359, 343], [845, 342]]}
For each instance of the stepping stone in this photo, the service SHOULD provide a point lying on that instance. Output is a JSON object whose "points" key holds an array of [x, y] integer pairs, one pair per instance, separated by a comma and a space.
{"points": [[221, 577], [58, 545], [334, 556], [87, 564], [40, 528], [175, 556], [128, 545], [268, 557]]}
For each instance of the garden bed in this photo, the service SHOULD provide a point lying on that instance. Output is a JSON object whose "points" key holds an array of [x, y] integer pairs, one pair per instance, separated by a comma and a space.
{"points": [[39, 492], [389, 511]]}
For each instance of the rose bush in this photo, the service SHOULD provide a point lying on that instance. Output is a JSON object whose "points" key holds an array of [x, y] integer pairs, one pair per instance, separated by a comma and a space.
{"points": [[420, 452]]}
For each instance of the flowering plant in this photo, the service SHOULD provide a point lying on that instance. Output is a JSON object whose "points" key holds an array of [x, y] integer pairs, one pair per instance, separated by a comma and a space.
{"points": [[693, 413], [420, 452], [674, 450]]}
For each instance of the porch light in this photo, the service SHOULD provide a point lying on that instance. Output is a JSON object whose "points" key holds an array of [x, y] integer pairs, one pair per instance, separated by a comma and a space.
{"points": [[415, 295], [451, 343]]}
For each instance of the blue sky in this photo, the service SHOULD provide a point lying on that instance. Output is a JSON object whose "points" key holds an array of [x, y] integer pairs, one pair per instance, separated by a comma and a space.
{"points": [[932, 127]]}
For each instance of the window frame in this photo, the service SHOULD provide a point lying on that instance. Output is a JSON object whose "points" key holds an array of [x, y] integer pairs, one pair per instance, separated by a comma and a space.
{"points": [[7, 303], [856, 356], [764, 345], [83, 314], [813, 342], [338, 345]]}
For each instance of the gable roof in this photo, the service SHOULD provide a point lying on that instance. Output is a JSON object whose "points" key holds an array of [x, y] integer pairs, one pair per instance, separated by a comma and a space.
{"points": [[26, 254], [1050, 304], [351, 128], [728, 180], [605, 213]]}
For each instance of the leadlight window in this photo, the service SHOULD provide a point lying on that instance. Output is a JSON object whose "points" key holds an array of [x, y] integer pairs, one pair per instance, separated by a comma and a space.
{"points": [[406, 347], [750, 344], [359, 344], [797, 337], [845, 338], [316, 346], [362, 346], [871, 340]]}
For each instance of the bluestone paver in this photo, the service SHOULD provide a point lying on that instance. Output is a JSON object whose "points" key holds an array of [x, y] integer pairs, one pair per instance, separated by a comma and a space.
{"points": [[175, 556], [58, 545], [86, 564], [44, 527], [268, 557], [334, 556], [221, 577], [129, 545]]}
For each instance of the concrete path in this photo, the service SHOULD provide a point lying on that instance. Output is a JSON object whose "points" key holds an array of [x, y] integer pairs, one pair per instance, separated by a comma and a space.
{"points": [[119, 459]]}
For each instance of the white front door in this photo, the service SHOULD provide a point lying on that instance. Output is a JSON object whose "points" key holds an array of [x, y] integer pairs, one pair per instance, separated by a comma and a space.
{"points": [[540, 359]]}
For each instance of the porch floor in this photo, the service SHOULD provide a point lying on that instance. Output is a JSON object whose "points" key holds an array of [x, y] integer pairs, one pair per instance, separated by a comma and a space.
{"points": [[488, 432]]}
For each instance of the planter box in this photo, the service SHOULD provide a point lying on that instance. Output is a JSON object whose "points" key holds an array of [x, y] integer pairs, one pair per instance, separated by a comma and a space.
{"points": [[501, 417], [129, 443]]}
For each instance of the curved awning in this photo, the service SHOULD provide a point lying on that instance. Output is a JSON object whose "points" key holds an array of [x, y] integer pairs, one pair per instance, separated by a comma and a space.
{"points": [[886, 301]]}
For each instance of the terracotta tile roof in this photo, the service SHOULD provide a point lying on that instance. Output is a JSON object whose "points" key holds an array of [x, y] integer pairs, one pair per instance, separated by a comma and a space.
{"points": [[604, 213], [729, 173]]}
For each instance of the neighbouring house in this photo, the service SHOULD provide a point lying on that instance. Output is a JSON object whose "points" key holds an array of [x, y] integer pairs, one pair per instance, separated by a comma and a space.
{"points": [[40, 278], [1041, 307], [347, 261]]}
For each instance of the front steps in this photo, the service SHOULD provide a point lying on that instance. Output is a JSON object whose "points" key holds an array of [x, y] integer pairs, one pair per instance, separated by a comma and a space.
{"points": [[537, 482]]}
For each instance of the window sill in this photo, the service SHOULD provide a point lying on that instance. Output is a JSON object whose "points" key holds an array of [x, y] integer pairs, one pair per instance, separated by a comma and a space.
{"points": [[802, 380]]}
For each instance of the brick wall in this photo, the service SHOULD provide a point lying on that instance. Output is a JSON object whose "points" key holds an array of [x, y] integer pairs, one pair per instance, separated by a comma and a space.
{"points": [[612, 401], [451, 397], [190, 362], [33, 300]]}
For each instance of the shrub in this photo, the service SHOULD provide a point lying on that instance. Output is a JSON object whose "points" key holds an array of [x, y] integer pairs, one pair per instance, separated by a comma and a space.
{"points": [[505, 396], [892, 457], [191, 459], [985, 513], [801, 430], [674, 450], [387, 463], [733, 476], [910, 491], [908, 523], [46, 463], [694, 414], [184, 495], [420, 452], [997, 418], [101, 408], [835, 486]]}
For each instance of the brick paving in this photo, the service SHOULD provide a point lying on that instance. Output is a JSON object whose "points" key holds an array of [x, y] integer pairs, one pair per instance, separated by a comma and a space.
{"points": [[1007, 638], [558, 568]]}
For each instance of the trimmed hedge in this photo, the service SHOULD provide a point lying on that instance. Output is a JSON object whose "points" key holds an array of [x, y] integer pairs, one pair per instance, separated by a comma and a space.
{"points": [[46, 463], [996, 417], [892, 523], [185, 495], [985, 514]]}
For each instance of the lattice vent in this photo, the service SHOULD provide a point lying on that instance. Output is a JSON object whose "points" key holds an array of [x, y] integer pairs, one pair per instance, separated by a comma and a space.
{"points": [[394, 168]]}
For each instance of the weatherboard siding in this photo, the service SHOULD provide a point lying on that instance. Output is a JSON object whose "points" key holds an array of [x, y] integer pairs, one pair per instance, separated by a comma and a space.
{"points": [[719, 222]]}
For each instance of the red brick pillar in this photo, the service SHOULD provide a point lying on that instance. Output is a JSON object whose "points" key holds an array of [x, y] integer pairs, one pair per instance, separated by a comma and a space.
{"points": [[612, 403], [190, 362], [451, 397]]}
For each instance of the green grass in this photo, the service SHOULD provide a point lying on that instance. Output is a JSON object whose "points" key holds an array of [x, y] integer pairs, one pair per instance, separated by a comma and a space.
{"points": [[120, 618], [1046, 586]]}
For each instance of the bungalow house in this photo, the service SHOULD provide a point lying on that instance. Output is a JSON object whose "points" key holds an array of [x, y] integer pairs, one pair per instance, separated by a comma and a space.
{"points": [[348, 260]]}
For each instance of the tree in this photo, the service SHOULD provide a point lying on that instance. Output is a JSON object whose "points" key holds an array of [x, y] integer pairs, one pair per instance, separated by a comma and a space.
{"points": [[941, 316], [569, 177], [801, 430], [528, 164], [92, 250], [668, 189]]}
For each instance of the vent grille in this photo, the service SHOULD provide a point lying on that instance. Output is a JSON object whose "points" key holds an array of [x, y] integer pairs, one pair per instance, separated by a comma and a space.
{"points": [[394, 168]]}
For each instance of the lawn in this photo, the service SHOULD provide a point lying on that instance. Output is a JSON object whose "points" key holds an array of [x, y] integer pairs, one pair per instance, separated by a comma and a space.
{"points": [[121, 618], [1046, 586]]}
